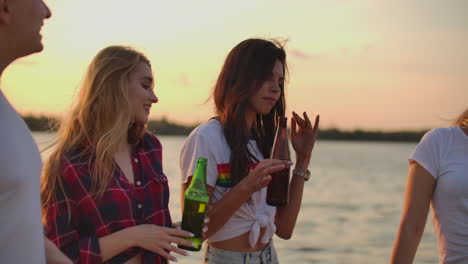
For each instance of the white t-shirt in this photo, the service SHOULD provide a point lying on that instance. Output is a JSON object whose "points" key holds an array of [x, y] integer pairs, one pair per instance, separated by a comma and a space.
{"points": [[21, 236], [208, 141], [443, 152]]}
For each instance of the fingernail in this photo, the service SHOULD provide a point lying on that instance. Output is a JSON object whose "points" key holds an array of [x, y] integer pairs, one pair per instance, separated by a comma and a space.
{"points": [[186, 253], [206, 220], [205, 229], [290, 162], [194, 245], [191, 235], [174, 259]]}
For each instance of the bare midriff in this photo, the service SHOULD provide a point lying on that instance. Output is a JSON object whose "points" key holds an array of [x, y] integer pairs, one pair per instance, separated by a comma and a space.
{"points": [[240, 243]]}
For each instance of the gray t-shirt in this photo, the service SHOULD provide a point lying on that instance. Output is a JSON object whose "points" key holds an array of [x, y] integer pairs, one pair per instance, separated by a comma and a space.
{"points": [[21, 236], [443, 152]]}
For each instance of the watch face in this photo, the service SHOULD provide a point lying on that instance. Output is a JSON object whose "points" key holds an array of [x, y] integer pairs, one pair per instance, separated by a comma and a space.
{"points": [[301, 173], [298, 172]]}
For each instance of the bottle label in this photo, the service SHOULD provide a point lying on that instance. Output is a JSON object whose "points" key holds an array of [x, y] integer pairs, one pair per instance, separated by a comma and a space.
{"points": [[202, 207]]}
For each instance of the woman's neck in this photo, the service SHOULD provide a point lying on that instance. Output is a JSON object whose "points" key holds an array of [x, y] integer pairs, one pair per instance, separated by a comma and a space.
{"points": [[123, 147]]}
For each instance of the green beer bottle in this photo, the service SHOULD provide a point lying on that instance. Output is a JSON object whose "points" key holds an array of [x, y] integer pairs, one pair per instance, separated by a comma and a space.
{"points": [[195, 202]]}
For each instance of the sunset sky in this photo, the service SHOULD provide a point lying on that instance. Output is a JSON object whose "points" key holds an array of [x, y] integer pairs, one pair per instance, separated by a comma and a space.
{"points": [[365, 64]]}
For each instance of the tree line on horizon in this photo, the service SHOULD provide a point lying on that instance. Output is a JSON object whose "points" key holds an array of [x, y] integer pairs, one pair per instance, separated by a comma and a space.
{"points": [[165, 127]]}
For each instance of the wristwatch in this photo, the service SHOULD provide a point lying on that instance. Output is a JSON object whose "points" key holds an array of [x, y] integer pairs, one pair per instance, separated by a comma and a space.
{"points": [[301, 173]]}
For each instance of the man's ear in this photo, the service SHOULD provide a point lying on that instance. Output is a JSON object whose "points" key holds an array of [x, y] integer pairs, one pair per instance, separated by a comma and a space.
{"points": [[5, 11]]}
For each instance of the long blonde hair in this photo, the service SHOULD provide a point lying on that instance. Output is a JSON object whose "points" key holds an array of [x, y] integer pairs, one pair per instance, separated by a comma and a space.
{"points": [[100, 119], [462, 120]]}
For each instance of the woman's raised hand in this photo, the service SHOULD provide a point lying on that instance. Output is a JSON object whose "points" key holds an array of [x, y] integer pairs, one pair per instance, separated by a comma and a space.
{"points": [[303, 135]]}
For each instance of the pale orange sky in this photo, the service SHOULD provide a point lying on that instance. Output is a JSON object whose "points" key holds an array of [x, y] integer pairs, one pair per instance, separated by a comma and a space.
{"points": [[365, 64]]}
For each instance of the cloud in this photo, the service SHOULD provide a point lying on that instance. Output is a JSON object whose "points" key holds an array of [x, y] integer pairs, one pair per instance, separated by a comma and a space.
{"points": [[183, 80], [367, 47], [302, 55]]}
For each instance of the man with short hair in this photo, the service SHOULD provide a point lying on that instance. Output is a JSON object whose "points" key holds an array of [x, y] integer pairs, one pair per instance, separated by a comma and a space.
{"points": [[21, 233]]}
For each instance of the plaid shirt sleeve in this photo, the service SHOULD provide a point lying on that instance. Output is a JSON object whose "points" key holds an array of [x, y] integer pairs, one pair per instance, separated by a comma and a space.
{"points": [[62, 223]]}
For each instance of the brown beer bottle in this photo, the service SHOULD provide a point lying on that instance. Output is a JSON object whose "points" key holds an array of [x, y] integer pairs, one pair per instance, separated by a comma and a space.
{"points": [[278, 188]]}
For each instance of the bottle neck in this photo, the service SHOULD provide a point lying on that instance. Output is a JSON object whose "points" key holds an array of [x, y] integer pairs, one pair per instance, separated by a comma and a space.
{"points": [[197, 190], [282, 122], [282, 130], [199, 177], [280, 148]]}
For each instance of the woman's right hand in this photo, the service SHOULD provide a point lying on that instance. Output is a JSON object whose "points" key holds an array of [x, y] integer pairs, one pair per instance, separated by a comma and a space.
{"points": [[159, 239], [260, 176]]}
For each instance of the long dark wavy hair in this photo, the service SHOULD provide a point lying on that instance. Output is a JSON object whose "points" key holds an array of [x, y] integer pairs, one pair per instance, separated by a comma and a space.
{"points": [[246, 68]]}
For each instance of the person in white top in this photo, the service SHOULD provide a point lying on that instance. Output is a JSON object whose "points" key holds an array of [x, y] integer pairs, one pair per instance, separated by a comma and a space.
{"points": [[21, 236], [438, 176], [248, 95]]}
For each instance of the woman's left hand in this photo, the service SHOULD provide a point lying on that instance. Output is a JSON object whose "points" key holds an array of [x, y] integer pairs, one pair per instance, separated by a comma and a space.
{"points": [[303, 135]]}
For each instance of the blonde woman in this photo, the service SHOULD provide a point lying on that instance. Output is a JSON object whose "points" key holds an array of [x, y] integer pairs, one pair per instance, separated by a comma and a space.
{"points": [[104, 193], [438, 176]]}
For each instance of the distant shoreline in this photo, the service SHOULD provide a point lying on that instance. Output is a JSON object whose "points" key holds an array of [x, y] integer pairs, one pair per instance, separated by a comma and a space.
{"points": [[165, 127]]}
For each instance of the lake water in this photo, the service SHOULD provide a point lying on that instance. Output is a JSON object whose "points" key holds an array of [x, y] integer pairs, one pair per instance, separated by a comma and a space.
{"points": [[351, 206]]}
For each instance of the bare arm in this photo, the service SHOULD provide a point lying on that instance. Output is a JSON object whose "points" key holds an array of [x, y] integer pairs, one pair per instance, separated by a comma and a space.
{"points": [[303, 141], [419, 189], [115, 243], [53, 254], [224, 209], [286, 216]]}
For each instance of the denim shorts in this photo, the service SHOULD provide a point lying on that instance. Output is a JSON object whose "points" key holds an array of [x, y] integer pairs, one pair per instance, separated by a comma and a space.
{"points": [[266, 255]]}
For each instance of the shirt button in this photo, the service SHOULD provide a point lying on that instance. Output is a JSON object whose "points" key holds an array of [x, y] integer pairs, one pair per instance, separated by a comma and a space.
{"points": [[139, 206], [136, 160], [138, 182]]}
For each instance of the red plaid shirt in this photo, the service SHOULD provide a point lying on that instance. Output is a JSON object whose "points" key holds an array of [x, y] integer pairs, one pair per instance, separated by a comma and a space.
{"points": [[122, 205]]}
